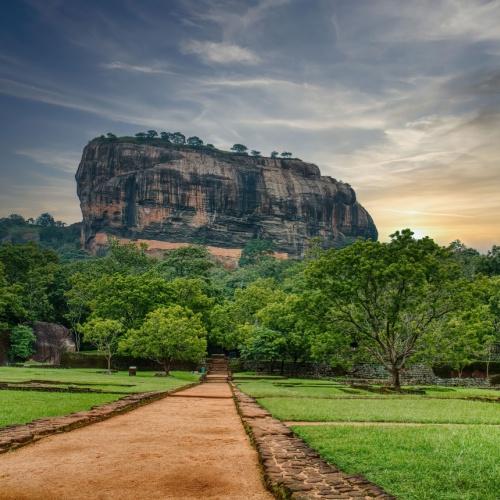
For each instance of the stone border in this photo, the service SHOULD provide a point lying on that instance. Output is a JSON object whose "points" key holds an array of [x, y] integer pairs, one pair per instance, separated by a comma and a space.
{"points": [[54, 388], [292, 470], [15, 436]]}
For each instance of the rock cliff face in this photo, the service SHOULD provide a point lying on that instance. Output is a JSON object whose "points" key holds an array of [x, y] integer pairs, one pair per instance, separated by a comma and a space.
{"points": [[176, 194]]}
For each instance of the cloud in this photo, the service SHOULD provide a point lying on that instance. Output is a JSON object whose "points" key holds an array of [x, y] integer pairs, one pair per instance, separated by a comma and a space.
{"points": [[220, 52], [135, 68], [66, 161]]}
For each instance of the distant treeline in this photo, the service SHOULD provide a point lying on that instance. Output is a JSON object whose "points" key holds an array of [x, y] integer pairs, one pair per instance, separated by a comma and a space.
{"points": [[45, 231]]}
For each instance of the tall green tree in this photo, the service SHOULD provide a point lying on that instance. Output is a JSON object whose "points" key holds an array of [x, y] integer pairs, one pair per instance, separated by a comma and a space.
{"points": [[254, 250], [188, 262], [388, 294], [22, 343], [104, 334], [168, 334]]}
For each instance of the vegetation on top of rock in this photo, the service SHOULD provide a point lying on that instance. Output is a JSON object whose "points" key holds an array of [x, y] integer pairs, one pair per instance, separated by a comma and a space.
{"points": [[179, 139]]}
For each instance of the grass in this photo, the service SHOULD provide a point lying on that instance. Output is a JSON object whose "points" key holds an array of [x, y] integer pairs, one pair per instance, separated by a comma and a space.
{"points": [[97, 379], [435, 460], [20, 407], [404, 409], [309, 388], [416, 463]]}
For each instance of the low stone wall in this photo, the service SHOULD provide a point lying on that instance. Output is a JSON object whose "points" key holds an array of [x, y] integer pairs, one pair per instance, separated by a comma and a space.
{"points": [[291, 468], [98, 361], [463, 382], [419, 374], [15, 436]]}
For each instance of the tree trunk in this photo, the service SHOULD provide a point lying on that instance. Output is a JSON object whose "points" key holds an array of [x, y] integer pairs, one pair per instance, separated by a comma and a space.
{"points": [[282, 370], [396, 381], [166, 366], [109, 362]]}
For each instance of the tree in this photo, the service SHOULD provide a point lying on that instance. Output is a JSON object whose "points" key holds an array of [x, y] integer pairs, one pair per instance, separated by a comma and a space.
{"points": [[178, 138], [229, 321], [462, 339], [239, 148], [17, 219], [262, 344], [389, 295], [255, 153], [274, 154], [141, 135], [11, 302], [151, 134], [78, 298], [45, 220], [165, 136], [490, 263], [210, 146], [468, 258], [104, 334], [194, 141], [110, 136], [254, 250], [33, 269], [22, 342], [286, 154], [285, 317], [126, 298], [168, 334], [187, 262]]}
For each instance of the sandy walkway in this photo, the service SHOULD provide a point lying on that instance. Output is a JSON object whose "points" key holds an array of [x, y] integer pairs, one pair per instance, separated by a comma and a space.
{"points": [[179, 447]]}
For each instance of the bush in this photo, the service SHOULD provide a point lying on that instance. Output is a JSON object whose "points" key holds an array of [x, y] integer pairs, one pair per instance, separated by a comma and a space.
{"points": [[22, 343], [495, 380]]}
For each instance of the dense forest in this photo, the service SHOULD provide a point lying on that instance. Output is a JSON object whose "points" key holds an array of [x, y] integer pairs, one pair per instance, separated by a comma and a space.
{"points": [[408, 300]]}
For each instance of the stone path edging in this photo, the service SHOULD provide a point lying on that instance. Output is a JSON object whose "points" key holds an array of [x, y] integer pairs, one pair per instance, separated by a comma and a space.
{"points": [[15, 436], [292, 470]]}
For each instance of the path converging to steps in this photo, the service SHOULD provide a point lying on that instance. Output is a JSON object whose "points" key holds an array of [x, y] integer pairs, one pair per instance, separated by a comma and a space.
{"points": [[179, 447]]}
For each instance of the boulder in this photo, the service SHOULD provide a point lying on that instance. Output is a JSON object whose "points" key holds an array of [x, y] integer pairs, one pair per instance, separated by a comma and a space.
{"points": [[51, 341]]}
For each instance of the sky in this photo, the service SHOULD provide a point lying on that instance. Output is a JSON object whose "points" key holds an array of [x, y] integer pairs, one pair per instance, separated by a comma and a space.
{"points": [[400, 99]]}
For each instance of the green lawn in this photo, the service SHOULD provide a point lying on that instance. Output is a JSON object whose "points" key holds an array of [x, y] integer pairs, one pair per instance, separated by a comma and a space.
{"points": [[17, 407], [409, 409], [413, 462], [20, 407], [307, 388], [416, 463], [96, 379]]}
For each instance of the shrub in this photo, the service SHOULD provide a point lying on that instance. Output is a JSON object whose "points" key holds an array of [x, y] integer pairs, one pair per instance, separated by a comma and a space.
{"points": [[22, 343]]}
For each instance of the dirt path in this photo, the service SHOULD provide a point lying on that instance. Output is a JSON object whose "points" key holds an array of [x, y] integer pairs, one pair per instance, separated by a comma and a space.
{"points": [[179, 447]]}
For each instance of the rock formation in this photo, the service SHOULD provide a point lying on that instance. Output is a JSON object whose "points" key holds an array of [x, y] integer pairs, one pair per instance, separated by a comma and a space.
{"points": [[171, 195], [51, 341]]}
